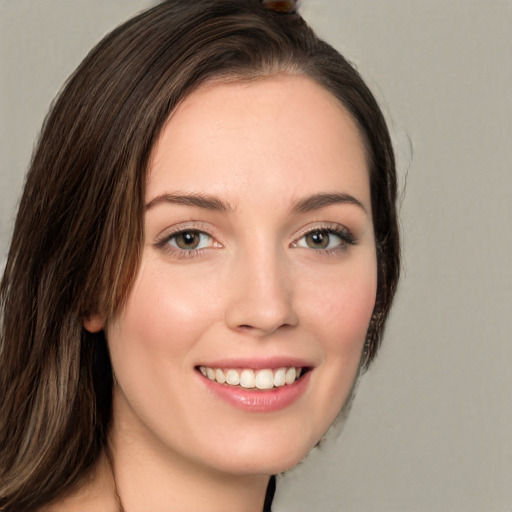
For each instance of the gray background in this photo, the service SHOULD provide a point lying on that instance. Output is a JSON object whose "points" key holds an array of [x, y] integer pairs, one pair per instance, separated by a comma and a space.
{"points": [[430, 428]]}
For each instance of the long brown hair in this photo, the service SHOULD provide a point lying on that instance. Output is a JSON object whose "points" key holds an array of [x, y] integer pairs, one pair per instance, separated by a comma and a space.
{"points": [[78, 234]]}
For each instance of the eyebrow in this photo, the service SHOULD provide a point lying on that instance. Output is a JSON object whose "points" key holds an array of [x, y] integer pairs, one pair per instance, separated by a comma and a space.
{"points": [[209, 202], [205, 201], [318, 201]]}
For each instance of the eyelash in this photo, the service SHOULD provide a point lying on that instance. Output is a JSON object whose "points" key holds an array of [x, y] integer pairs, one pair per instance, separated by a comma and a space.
{"points": [[344, 234]]}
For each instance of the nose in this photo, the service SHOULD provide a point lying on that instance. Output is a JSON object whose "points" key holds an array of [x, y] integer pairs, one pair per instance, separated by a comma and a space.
{"points": [[260, 294]]}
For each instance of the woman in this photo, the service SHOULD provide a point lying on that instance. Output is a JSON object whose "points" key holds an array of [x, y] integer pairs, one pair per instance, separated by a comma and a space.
{"points": [[204, 257]]}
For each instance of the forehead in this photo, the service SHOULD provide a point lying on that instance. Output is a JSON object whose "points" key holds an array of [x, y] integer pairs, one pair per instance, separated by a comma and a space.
{"points": [[285, 132]]}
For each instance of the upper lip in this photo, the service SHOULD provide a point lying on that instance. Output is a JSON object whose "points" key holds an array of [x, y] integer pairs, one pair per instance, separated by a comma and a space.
{"points": [[272, 363]]}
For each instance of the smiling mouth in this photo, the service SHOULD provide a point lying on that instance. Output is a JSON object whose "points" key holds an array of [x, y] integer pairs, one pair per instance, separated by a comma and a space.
{"points": [[248, 378]]}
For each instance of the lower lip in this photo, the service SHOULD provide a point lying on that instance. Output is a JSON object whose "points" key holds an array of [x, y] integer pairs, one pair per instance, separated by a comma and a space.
{"points": [[253, 400]]}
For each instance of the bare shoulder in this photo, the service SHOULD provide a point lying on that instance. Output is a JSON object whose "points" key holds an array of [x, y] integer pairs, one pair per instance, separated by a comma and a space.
{"points": [[96, 495]]}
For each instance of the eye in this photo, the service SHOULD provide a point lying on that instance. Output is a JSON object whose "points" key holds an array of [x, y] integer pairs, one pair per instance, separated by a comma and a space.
{"points": [[321, 239], [190, 240], [325, 239]]}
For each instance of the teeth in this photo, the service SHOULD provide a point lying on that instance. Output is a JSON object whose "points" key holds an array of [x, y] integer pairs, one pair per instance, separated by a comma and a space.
{"points": [[247, 379], [219, 376], [290, 375], [232, 377], [279, 377], [265, 379], [250, 379]]}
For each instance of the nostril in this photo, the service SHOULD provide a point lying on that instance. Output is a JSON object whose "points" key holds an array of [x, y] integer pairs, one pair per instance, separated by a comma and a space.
{"points": [[248, 328]]}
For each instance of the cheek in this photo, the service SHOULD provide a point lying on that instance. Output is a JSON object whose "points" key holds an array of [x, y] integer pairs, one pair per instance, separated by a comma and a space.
{"points": [[351, 312], [343, 304], [152, 343], [165, 311], [341, 316]]}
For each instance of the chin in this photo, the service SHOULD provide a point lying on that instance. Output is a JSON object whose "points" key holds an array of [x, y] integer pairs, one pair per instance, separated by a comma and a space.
{"points": [[265, 451], [264, 463]]}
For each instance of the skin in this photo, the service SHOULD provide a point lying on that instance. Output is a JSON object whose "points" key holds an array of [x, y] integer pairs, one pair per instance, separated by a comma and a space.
{"points": [[254, 288]]}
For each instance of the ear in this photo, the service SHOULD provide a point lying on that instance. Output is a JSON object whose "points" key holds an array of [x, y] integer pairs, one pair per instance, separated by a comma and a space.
{"points": [[93, 323]]}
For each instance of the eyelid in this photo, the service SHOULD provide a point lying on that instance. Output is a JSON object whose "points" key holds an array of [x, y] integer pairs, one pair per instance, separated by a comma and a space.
{"points": [[190, 225]]}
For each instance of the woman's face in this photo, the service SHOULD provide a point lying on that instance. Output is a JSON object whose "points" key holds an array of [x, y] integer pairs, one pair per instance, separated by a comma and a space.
{"points": [[258, 257]]}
